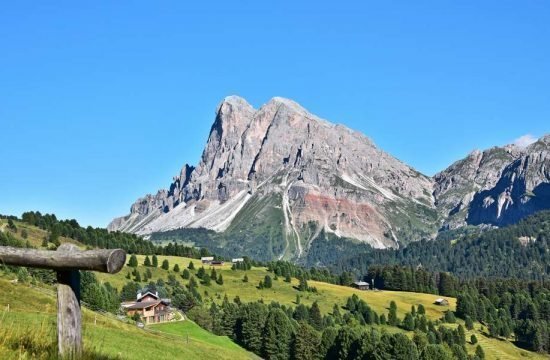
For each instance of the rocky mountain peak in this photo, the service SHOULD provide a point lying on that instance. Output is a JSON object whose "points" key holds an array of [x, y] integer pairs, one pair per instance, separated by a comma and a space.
{"points": [[283, 176], [312, 175], [489, 187]]}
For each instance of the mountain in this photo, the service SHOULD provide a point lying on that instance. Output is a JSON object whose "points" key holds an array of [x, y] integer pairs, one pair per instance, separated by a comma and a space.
{"points": [[498, 186], [273, 180], [295, 174]]}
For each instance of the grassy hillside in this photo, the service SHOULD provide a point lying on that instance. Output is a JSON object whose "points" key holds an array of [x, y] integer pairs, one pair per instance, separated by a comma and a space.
{"points": [[29, 326], [27, 331], [327, 296], [34, 235]]}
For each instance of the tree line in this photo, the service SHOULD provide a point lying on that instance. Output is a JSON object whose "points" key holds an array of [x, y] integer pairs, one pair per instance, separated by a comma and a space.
{"points": [[516, 251]]}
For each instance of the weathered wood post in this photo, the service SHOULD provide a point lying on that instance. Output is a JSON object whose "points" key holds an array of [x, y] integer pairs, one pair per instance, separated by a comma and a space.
{"points": [[69, 316], [67, 261]]}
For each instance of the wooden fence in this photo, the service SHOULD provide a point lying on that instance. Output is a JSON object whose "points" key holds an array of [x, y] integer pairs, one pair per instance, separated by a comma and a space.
{"points": [[67, 261]]}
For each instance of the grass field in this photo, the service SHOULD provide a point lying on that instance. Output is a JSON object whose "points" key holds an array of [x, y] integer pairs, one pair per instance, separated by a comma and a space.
{"points": [[27, 331], [283, 292]]}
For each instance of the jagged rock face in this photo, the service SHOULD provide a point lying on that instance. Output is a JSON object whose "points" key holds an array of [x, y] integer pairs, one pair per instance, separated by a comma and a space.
{"points": [[456, 186], [523, 189], [326, 177], [498, 186]]}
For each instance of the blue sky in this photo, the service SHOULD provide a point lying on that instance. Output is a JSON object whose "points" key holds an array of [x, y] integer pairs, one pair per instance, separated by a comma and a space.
{"points": [[104, 101]]}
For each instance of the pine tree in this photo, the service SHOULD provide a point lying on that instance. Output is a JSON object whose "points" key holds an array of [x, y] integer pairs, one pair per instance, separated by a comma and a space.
{"points": [[165, 264], [473, 339], [191, 266], [213, 274], [315, 317], [469, 323], [201, 272], [408, 322], [192, 283], [138, 277], [461, 334], [245, 278], [392, 315], [176, 268], [219, 280], [253, 320], [228, 321], [277, 335], [344, 344], [303, 284], [421, 310], [288, 278], [327, 340], [133, 261], [306, 343], [155, 261], [267, 282], [147, 261], [480, 353], [301, 313], [421, 340], [449, 317], [186, 274], [206, 280], [336, 314]]}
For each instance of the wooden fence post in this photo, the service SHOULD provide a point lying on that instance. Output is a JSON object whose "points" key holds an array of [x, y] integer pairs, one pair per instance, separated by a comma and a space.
{"points": [[69, 317], [67, 261]]}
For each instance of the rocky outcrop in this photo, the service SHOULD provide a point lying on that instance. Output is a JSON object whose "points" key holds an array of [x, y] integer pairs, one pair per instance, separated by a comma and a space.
{"points": [[326, 176], [498, 186], [522, 189]]}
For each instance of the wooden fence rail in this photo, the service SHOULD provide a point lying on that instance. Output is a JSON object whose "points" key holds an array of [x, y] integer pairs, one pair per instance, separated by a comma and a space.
{"points": [[67, 261]]}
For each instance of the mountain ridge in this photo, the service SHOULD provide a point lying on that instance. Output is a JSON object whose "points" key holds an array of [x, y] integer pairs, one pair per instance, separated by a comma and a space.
{"points": [[323, 177]]}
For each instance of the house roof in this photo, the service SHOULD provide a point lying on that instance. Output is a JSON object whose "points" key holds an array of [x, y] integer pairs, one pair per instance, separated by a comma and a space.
{"points": [[150, 294], [361, 283], [144, 304]]}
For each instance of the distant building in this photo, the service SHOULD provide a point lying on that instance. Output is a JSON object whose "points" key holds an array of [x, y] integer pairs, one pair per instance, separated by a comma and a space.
{"points": [[441, 302], [237, 260], [216, 263], [207, 259], [150, 308], [361, 285]]}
